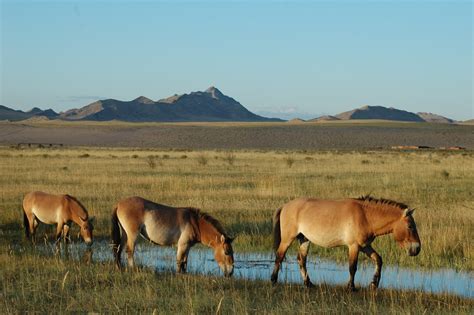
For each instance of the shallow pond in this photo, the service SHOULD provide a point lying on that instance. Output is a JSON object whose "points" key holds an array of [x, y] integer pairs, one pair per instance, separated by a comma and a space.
{"points": [[258, 266]]}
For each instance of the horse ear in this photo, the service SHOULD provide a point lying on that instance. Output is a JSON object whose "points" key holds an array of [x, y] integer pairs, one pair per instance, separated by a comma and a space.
{"points": [[408, 212], [222, 239]]}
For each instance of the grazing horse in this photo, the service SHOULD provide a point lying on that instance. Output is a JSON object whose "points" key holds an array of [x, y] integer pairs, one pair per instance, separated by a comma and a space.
{"points": [[166, 226], [354, 223], [55, 209]]}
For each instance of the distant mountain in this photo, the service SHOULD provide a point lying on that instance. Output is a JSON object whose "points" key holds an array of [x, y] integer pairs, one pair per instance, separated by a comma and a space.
{"points": [[210, 105], [7, 113], [324, 118], [430, 117], [379, 112]]}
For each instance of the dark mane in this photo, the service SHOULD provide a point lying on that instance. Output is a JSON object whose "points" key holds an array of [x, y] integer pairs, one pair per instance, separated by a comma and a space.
{"points": [[213, 221], [369, 198], [80, 205]]}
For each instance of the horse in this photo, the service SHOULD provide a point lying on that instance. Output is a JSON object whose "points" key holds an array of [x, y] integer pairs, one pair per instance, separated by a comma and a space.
{"points": [[55, 209], [165, 225], [354, 223]]}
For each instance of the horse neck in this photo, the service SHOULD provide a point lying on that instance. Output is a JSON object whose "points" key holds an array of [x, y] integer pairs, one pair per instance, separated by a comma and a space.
{"points": [[77, 212], [381, 217], [209, 234]]}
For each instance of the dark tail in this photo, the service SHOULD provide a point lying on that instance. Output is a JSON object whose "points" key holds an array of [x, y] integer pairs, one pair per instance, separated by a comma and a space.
{"points": [[26, 224], [116, 237], [276, 229]]}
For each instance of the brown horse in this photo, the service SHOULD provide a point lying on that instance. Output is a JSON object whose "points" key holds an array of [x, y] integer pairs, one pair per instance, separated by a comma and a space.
{"points": [[166, 226], [354, 223], [55, 209]]}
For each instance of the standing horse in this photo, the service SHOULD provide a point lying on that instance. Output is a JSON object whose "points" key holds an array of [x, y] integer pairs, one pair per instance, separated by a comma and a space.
{"points": [[166, 226], [55, 209], [354, 223]]}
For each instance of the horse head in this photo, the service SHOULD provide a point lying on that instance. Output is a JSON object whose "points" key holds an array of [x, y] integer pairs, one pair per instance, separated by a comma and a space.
{"points": [[405, 233], [86, 230], [224, 255]]}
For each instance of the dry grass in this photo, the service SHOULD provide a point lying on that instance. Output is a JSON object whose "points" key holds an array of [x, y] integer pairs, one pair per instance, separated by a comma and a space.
{"points": [[246, 193], [243, 194]]}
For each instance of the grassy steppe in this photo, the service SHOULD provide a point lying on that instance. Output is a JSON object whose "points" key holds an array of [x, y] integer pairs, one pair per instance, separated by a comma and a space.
{"points": [[242, 189]]}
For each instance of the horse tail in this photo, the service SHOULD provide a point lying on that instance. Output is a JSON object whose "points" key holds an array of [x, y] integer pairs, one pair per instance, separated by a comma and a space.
{"points": [[276, 229], [26, 224], [116, 237]]}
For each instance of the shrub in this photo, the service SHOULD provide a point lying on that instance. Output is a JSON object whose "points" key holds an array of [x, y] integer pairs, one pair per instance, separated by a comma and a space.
{"points": [[230, 158], [202, 159], [289, 160]]}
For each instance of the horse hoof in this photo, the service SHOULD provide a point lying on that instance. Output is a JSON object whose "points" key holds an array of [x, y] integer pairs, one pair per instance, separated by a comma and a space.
{"points": [[309, 284], [373, 286], [351, 288]]}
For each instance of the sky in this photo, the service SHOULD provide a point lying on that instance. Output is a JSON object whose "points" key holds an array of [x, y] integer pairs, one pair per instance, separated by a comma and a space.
{"points": [[284, 59]]}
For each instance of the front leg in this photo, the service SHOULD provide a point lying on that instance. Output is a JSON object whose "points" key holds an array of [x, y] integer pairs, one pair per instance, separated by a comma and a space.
{"points": [[182, 257], [353, 258], [59, 232], [66, 233], [372, 254]]}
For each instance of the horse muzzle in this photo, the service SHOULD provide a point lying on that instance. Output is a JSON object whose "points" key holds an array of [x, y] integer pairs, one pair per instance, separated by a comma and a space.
{"points": [[227, 270], [414, 248]]}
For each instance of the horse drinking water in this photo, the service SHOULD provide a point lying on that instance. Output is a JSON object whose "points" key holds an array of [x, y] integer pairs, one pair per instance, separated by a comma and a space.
{"points": [[166, 226], [55, 209], [354, 223]]}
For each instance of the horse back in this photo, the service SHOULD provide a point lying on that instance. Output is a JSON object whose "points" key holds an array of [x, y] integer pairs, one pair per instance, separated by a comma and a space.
{"points": [[47, 208]]}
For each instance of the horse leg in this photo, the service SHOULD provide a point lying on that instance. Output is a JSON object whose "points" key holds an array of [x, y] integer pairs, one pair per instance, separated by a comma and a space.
{"points": [[32, 224], [119, 249], [353, 257], [59, 232], [279, 256], [66, 233], [182, 257], [131, 249], [302, 256], [372, 254]]}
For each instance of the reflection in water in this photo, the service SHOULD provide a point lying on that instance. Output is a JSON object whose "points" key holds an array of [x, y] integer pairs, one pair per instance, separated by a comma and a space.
{"points": [[258, 266]]}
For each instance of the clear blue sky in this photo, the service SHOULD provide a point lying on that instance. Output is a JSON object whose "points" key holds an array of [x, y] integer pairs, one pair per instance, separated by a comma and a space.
{"points": [[309, 57]]}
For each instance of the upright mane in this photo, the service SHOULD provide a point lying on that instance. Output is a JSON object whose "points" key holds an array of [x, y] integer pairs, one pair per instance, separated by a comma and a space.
{"points": [[210, 219], [382, 201], [81, 207]]}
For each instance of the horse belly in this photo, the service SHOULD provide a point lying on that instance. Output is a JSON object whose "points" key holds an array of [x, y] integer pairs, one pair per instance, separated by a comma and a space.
{"points": [[46, 215], [160, 234], [323, 236]]}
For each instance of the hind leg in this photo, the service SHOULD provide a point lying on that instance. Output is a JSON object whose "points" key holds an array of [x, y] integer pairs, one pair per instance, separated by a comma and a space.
{"points": [[302, 257], [131, 239], [32, 225], [118, 250], [279, 256]]}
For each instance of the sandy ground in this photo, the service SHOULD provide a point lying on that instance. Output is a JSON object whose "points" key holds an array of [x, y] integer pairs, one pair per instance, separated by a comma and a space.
{"points": [[240, 136]]}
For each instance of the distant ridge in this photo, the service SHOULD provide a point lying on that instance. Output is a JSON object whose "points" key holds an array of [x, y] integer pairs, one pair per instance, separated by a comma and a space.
{"points": [[379, 112], [324, 118], [210, 105], [7, 113], [430, 117]]}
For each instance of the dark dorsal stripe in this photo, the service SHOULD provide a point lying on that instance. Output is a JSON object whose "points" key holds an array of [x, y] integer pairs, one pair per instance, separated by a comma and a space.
{"points": [[369, 198]]}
